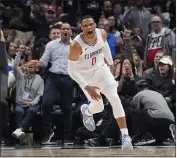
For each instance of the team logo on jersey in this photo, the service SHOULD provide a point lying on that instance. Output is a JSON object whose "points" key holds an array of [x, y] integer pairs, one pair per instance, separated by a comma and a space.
{"points": [[95, 53]]}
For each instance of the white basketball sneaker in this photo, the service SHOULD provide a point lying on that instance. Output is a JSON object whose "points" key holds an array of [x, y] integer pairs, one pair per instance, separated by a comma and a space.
{"points": [[126, 142], [88, 121]]}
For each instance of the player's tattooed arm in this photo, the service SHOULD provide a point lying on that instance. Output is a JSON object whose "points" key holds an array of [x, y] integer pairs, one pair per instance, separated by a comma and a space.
{"points": [[75, 51]]}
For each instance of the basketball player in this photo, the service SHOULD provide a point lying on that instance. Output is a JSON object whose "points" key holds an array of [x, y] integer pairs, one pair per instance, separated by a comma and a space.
{"points": [[86, 65]]}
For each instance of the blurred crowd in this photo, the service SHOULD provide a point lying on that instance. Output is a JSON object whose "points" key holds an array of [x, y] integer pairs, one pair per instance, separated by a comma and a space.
{"points": [[142, 40]]}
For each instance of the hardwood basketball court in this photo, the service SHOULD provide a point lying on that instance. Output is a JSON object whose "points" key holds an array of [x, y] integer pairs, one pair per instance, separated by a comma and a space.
{"points": [[56, 151]]}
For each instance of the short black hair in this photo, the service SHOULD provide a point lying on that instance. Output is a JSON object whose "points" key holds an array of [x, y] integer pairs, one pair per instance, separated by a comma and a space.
{"points": [[65, 23], [55, 27], [87, 17]]}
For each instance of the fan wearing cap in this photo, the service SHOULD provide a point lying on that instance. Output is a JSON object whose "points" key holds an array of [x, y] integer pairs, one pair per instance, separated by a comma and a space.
{"points": [[154, 69], [165, 66], [41, 26], [51, 14], [163, 82]]}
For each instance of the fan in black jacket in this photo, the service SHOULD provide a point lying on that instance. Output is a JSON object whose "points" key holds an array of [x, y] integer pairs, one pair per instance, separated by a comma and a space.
{"points": [[41, 25]]}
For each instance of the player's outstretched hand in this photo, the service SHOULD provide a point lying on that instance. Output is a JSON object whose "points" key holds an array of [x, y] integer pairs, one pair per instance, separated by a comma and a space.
{"points": [[92, 92]]}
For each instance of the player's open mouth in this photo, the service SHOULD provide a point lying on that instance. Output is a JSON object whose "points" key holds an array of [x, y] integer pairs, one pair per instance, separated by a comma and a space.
{"points": [[90, 32], [65, 34]]}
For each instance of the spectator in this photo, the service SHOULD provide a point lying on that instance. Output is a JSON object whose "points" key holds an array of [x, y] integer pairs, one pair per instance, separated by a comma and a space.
{"points": [[43, 9], [139, 17], [37, 10], [11, 55], [29, 89], [172, 10], [157, 10], [138, 43], [74, 32], [116, 67], [92, 8], [11, 49], [11, 78], [127, 78], [113, 26], [19, 32], [138, 65], [58, 80], [162, 82], [117, 71], [127, 43], [153, 115], [118, 10], [28, 49], [110, 38], [40, 26], [107, 8], [54, 32], [59, 23], [154, 69], [138, 32], [114, 30], [59, 12], [101, 22], [161, 38], [70, 15], [78, 26]]}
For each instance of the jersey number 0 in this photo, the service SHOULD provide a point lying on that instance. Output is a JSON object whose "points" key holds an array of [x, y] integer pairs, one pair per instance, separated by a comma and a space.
{"points": [[93, 61]]}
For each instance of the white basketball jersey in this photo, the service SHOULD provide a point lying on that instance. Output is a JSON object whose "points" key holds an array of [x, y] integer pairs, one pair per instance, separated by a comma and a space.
{"points": [[92, 56]]}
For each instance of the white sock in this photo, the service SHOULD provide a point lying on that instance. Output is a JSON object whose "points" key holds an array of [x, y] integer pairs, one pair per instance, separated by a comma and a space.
{"points": [[87, 112], [124, 131]]}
